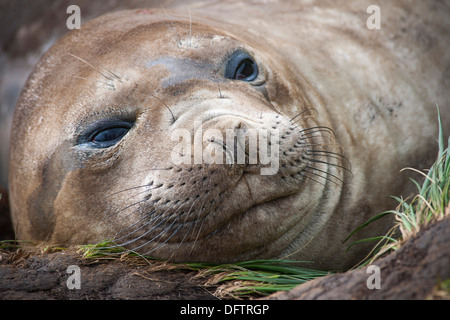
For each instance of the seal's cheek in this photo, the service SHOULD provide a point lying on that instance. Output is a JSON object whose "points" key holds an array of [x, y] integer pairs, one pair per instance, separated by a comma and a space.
{"points": [[79, 208], [40, 203]]}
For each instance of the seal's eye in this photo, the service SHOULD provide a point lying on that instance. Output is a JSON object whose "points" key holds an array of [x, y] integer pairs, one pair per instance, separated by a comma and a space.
{"points": [[241, 66], [105, 134], [109, 136]]}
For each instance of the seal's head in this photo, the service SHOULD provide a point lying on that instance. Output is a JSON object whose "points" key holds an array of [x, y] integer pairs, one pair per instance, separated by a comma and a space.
{"points": [[175, 138]]}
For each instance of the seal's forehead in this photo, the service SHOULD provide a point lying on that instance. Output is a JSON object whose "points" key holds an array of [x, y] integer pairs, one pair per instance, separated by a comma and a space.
{"points": [[130, 43], [136, 39], [183, 69], [158, 26], [116, 51]]}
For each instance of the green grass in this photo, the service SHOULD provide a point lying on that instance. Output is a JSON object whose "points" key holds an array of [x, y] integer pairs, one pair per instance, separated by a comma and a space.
{"points": [[258, 277], [106, 249], [12, 244], [237, 281]]}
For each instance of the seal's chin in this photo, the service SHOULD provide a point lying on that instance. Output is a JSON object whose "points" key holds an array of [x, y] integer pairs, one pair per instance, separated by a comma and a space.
{"points": [[263, 230], [248, 221]]}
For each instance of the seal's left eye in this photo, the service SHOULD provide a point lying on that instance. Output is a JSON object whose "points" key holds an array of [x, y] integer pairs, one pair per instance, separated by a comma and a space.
{"points": [[241, 66], [110, 135], [106, 134]]}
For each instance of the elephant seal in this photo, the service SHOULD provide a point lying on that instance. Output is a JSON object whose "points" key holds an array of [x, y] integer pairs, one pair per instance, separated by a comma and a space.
{"points": [[107, 131]]}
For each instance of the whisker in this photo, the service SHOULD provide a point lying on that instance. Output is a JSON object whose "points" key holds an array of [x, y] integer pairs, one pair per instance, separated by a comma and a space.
{"points": [[220, 92], [162, 243], [146, 216], [302, 173], [122, 209], [190, 28], [182, 240], [173, 117], [155, 237], [131, 205], [330, 163], [164, 231], [167, 240], [198, 234], [110, 85], [155, 169], [327, 175], [318, 129], [142, 235], [90, 65], [323, 145], [161, 233], [187, 232], [112, 73], [134, 188], [137, 222], [300, 113]]}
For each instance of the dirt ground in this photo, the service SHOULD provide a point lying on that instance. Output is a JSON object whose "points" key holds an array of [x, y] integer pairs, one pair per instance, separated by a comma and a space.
{"points": [[44, 276], [416, 271]]}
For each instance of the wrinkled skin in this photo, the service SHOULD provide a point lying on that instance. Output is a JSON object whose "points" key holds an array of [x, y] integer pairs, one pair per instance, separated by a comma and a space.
{"points": [[353, 106]]}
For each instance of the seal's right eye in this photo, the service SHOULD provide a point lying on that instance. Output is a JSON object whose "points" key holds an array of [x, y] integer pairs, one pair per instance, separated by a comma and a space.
{"points": [[241, 66], [105, 134]]}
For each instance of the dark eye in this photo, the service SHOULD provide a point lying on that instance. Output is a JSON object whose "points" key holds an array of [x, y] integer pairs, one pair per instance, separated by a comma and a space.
{"points": [[109, 136], [241, 66], [105, 134]]}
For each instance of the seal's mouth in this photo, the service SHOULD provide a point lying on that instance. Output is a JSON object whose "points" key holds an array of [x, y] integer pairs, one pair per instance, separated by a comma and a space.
{"points": [[248, 234]]}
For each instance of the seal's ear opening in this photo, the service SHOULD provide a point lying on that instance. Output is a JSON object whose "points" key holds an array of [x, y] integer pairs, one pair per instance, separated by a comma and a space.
{"points": [[241, 66]]}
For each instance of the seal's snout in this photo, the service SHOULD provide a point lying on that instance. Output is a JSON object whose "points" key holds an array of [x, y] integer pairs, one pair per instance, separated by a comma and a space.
{"points": [[265, 143]]}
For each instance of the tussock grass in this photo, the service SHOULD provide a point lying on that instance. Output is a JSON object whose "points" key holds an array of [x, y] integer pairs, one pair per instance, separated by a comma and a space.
{"points": [[106, 249], [429, 204], [258, 277], [236, 281], [12, 244], [432, 200]]}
